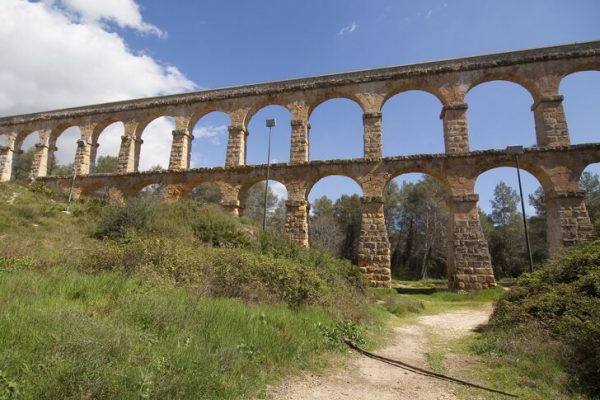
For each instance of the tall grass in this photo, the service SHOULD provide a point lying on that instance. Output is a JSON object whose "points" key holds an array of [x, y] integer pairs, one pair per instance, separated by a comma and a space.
{"points": [[65, 334]]}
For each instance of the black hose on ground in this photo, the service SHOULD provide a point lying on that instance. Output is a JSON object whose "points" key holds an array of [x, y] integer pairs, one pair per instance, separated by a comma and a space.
{"points": [[421, 371]]}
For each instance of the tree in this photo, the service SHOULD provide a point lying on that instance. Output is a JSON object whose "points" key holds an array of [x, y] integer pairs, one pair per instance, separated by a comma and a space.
{"points": [[417, 217], [325, 232], [590, 183], [506, 240], [255, 204], [22, 163], [348, 214], [504, 205], [208, 192], [106, 165]]}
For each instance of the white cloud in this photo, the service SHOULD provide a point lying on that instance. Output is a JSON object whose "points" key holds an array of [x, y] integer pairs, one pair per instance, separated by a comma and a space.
{"points": [[278, 189], [57, 55], [215, 134], [156, 148], [346, 30], [124, 13]]}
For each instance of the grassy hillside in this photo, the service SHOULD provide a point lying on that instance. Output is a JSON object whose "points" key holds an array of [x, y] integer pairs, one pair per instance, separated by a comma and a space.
{"points": [[158, 300]]}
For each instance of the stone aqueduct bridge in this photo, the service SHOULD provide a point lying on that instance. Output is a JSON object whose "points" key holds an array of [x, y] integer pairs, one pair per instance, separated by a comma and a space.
{"points": [[553, 161]]}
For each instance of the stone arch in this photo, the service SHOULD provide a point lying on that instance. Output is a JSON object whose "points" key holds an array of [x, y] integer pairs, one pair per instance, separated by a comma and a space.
{"points": [[205, 110], [64, 141], [414, 86], [535, 170], [264, 103], [519, 79], [584, 66], [106, 142], [258, 137], [417, 219], [342, 173], [251, 197], [209, 146], [485, 185], [333, 95], [154, 142], [339, 114], [499, 114], [407, 118], [206, 192], [581, 103], [24, 154], [323, 229]]}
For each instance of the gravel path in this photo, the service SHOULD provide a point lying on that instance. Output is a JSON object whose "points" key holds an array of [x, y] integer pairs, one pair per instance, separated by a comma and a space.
{"points": [[365, 378]]}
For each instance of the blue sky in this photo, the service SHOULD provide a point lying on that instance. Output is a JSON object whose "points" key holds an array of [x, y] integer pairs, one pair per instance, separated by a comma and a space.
{"points": [[211, 44]]}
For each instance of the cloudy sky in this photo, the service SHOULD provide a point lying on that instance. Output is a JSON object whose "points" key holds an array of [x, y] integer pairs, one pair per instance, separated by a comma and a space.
{"points": [[63, 53]]}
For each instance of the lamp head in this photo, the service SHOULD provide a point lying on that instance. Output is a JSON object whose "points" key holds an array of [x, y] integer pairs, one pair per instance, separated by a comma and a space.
{"points": [[271, 122], [514, 150]]}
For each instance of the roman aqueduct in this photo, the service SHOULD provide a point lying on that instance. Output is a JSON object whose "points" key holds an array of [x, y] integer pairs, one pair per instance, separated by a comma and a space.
{"points": [[556, 163]]}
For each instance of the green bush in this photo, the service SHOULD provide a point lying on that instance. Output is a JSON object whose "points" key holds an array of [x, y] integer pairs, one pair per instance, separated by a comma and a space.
{"points": [[561, 300]]}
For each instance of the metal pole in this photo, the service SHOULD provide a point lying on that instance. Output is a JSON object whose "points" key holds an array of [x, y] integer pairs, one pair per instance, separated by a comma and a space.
{"points": [[267, 181], [72, 185], [524, 216]]}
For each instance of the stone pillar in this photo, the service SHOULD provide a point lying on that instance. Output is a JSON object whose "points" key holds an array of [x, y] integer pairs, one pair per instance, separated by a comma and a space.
{"points": [[173, 191], [299, 145], [115, 195], [180, 150], [232, 207], [6, 158], [39, 166], [550, 123], [236, 146], [82, 157], [456, 131], [373, 245], [127, 155], [296, 221], [469, 261], [372, 135], [567, 219]]}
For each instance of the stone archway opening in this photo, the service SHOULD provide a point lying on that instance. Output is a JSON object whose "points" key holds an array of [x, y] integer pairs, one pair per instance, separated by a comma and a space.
{"points": [[105, 153], [336, 130], [258, 136], [207, 192], [417, 220], [209, 146], [23, 159], [581, 91], [589, 182], [61, 161], [156, 147], [152, 191], [3, 139], [502, 219], [253, 204], [500, 115], [411, 124], [335, 216]]}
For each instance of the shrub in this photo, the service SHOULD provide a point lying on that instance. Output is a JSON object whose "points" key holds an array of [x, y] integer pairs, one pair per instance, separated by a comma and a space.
{"points": [[562, 299]]}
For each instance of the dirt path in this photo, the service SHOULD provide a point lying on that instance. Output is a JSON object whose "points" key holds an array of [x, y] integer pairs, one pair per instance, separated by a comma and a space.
{"points": [[365, 378]]}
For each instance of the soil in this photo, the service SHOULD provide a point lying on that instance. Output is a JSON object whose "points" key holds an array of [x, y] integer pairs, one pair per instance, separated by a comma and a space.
{"points": [[365, 378]]}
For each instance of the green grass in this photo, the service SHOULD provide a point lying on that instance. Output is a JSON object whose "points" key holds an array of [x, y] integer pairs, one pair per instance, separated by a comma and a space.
{"points": [[65, 334]]}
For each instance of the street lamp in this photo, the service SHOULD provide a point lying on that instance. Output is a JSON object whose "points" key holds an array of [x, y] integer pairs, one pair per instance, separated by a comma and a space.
{"points": [[270, 124], [516, 151]]}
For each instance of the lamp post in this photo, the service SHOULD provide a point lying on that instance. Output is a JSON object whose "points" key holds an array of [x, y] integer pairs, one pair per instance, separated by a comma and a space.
{"points": [[270, 124], [516, 151]]}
